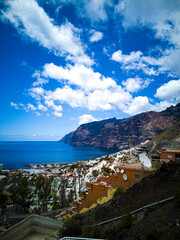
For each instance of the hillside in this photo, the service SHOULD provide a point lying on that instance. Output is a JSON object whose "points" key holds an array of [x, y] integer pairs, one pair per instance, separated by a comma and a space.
{"points": [[163, 219], [112, 133], [169, 139]]}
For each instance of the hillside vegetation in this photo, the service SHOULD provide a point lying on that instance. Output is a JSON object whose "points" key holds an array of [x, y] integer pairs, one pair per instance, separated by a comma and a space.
{"points": [[160, 222]]}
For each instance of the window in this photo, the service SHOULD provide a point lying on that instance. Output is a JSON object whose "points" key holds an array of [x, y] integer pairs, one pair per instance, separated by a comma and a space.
{"points": [[169, 156], [136, 176]]}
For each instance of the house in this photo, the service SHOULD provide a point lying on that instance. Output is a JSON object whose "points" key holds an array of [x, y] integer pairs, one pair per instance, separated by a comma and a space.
{"points": [[103, 190], [170, 155]]}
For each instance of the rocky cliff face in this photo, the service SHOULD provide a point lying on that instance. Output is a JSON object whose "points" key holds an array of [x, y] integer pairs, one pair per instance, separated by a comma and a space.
{"points": [[169, 139], [67, 138], [112, 133]]}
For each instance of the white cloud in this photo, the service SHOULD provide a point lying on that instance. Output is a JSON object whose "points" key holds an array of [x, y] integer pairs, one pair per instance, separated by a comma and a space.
{"points": [[15, 105], [96, 36], [96, 9], [169, 91], [31, 19], [162, 105], [86, 118], [42, 107], [79, 75], [136, 61], [138, 104], [36, 92], [31, 107], [37, 114], [108, 99], [50, 103], [57, 114], [40, 81], [135, 84], [126, 59], [163, 17], [75, 98]]}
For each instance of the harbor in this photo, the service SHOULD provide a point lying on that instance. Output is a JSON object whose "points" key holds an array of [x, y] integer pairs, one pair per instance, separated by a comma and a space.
{"points": [[46, 165]]}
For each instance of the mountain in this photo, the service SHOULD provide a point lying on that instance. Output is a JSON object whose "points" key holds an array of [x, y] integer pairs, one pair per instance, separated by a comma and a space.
{"points": [[112, 133], [169, 139], [67, 138]]}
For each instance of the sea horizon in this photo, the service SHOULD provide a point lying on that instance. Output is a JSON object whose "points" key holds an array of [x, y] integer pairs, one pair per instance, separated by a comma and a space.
{"points": [[16, 154]]}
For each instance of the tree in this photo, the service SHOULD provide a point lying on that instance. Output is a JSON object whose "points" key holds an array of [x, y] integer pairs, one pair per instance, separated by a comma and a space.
{"points": [[95, 173], [106, 170], [43, 189], [20, 192], [3, 195]]}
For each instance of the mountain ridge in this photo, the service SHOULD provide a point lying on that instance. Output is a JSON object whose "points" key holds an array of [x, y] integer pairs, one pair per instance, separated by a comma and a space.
{"points": [[112, 133]]}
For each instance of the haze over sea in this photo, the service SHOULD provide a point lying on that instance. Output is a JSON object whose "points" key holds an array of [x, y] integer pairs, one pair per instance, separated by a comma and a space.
{"points": [[15, 155]]}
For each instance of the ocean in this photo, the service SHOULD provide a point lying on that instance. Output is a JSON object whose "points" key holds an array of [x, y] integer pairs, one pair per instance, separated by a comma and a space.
{"points": [[15, 155]]}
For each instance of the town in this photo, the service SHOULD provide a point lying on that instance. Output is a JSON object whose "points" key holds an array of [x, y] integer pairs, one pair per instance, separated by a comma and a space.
{"points": [[71, 188]]}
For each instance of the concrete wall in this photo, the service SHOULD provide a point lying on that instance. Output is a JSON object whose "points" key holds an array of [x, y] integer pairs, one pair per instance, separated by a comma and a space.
{"points": [[31, 226]]}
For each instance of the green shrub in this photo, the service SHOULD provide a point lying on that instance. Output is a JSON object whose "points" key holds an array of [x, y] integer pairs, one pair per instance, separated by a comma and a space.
{"points": [[118, 192], [177, 197], [152, 234], [90, 232], [126, 221], [109, 234], [71, 227]]}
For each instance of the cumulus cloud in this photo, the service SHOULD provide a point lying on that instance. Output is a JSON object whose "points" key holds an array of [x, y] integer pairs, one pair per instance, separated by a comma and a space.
{"points": [[51, 104], [36, 92], [163, 17], [40, 81], [42, 107], [78, 75], [138, 104], [169, 91], [15, 105], [85, 118], [142, 104], [135, 84], [96, 36], [31, 19], [30, 106], [75, 98], [136, 61], [57, 114]]}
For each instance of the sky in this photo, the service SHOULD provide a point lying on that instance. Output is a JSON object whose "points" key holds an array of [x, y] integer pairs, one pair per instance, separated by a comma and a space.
{"points": [[68, 62]]}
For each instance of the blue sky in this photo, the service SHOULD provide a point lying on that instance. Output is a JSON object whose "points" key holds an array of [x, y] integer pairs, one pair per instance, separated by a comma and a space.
{"points": [[68, 62]]}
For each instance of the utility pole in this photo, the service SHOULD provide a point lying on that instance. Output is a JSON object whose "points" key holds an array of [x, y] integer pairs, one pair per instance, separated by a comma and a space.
{"points": [[131, 138]]}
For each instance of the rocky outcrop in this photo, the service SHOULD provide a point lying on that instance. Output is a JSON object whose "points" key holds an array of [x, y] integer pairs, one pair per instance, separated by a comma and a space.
{"points": [[112, 133], [67, 138], [169, 139]]}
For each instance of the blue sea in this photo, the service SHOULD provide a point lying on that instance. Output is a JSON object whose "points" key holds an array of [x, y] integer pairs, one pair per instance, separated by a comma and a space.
{"points": [[15, 155]]}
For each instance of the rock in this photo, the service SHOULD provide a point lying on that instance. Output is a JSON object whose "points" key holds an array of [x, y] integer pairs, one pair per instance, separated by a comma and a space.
{"points": [[112, 133]]}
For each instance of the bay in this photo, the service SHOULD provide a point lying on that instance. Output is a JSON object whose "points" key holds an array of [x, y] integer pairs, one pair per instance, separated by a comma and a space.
{"points": [[15, 155]]}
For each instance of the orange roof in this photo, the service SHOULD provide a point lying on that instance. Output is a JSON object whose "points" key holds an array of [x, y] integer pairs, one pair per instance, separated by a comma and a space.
{"points": [[102, 179], [170, 151]]}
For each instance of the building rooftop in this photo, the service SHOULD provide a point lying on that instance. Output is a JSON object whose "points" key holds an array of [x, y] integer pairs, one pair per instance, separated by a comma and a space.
{"points": [[173, 150], [32, 228]]}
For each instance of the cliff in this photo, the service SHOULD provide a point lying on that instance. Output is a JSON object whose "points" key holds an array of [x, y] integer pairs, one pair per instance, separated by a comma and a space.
{"points": [[169, 139], [67, 138], [112, 133]]}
